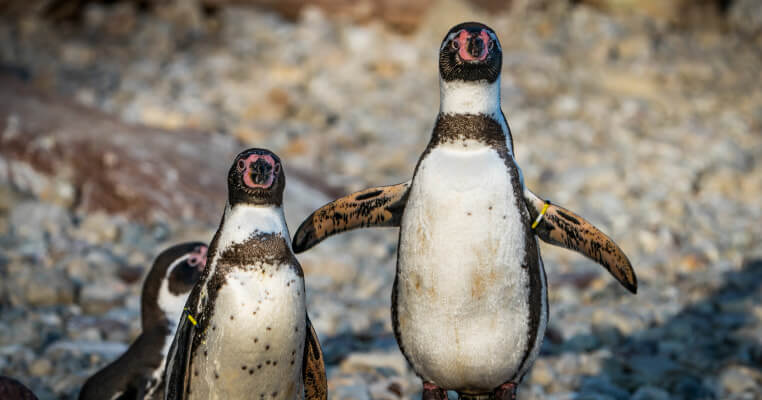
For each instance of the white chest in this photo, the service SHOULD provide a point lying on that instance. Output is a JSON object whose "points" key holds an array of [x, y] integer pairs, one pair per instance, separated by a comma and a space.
{"points": [[255, 340], [462, 294]]}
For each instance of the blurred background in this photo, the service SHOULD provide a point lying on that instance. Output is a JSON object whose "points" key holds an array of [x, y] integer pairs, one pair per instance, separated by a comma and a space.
{"points": [[118, 121]]}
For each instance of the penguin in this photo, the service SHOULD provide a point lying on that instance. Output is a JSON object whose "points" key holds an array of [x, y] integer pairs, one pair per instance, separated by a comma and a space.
{"points": [[246, 332], [12, 389], [137, 373], [469, 300]]}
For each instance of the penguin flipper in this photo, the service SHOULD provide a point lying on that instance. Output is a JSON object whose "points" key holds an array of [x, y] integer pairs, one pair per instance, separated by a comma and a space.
{"points": [[561, 227], [313, 367], [176, 376], [378, 206]]}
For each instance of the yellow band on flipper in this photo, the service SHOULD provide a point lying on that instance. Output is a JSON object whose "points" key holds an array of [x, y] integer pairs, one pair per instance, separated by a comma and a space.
{"points": [[191, 319], [542, 213]]}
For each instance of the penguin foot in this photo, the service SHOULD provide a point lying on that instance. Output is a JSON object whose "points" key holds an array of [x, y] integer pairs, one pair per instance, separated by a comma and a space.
{"points": [[433, 392], [506, 391]]}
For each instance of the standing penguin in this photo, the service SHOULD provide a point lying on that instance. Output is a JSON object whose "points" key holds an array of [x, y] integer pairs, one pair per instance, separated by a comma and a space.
{"points": [[246, 334], [137, 373], [469, 302]]}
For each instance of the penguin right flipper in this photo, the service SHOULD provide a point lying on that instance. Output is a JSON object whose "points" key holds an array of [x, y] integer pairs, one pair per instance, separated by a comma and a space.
{"points": [[313, 367], [561, 227], [378, 206], [176, 376]]}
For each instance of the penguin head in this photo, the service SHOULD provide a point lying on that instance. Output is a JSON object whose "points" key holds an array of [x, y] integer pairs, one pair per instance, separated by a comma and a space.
{"points": [[470, 52], [256, 178], [170, 280]]}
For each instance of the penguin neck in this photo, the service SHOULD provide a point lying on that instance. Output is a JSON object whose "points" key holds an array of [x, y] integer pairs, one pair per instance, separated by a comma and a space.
{"points": [[241, 221], [470, 97], [244, 221], [474, 99]]}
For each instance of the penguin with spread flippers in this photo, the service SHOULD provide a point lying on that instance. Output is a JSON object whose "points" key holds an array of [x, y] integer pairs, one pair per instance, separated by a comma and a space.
{"points": [[469, 302], [137, 373], [245, 333]]}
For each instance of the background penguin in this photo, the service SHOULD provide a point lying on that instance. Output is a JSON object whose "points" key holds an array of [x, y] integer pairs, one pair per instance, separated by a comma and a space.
{"points": [[11, 389], [246, 333], [137, 373], [469, 303]]}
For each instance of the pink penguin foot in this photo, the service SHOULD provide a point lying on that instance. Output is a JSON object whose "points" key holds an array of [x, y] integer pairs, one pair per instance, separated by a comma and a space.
{"points": [[433, 392], [506, 391]]}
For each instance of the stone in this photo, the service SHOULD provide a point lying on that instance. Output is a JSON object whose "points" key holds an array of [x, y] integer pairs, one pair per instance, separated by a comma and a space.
{"points": [[650, 393], [97, 228], [603, 387], [31, 219], [740, 379], [77, 55], [542, 373], [746, 16], [388, 389], [375, 360], [40, 368], [48, 288], [109, 350], [101, 297]]}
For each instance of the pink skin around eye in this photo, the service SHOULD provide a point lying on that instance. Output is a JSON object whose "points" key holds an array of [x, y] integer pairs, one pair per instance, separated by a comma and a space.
{"points": [[250, 160], [198, 257], [463, 38]]}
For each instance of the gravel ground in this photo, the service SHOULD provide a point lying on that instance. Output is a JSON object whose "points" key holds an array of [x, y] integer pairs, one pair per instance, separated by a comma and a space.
{"points": [[652, 133]]}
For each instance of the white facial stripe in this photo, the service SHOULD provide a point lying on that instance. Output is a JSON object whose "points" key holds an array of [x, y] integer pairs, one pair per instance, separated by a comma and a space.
{"points": [[171, 304], [448, 39], [493, 37], [175, 264]]}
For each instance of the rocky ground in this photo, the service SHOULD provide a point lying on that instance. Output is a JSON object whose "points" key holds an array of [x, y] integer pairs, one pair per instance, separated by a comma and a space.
{"points": [[654, 133]]}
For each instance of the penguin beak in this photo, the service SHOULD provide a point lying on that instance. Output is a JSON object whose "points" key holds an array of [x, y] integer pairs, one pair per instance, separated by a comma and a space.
{"points": [[197, 258], [473, 47], [259, 171]]}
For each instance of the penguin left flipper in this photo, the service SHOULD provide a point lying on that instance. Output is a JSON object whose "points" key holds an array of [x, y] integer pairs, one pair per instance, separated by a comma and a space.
{"points": [[561, 227], [178, 359], [313, 368], [378, 206]]}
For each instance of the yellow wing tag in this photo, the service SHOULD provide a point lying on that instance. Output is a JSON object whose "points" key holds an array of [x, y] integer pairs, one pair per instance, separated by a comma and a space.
{"points": [[191, 319], [539, 217]]}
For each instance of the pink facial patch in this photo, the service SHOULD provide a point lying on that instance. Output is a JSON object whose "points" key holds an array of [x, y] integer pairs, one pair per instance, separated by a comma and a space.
{"points": [[198, 258], [464, 37], [247, 172]]}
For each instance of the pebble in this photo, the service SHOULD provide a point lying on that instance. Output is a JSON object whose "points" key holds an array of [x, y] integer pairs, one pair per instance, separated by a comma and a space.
{"points": [[650, 393], [740, 379], [97, 299]]}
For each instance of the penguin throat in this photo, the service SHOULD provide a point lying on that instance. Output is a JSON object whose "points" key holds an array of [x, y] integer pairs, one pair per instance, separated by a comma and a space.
{"points": [[470, 97]]}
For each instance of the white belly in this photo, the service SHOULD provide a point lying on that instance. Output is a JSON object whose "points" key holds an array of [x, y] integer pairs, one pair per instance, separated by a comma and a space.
{"points": [[255, 341], [463, 295]]}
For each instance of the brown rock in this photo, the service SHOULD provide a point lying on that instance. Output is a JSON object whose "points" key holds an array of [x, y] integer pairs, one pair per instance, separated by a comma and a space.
{"points": [[113, 167]]}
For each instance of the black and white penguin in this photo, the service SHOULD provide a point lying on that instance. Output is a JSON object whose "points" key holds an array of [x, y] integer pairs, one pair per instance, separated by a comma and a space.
{"points": [[138, 372], [246, 333], [11, 389], [469, 303]]}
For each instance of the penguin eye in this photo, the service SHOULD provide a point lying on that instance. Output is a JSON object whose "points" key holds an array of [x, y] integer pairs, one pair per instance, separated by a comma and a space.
{"points": [[241, 165], [454, 44]]}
